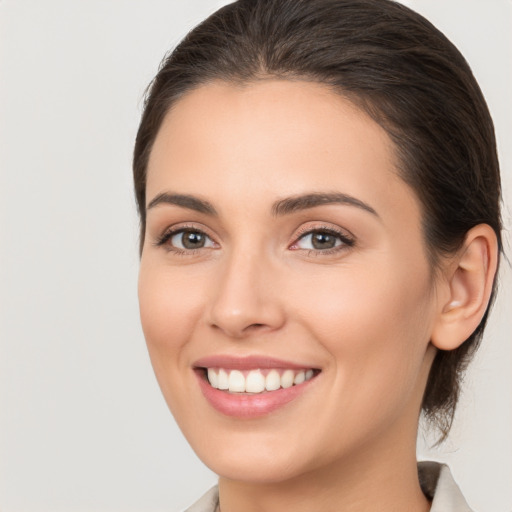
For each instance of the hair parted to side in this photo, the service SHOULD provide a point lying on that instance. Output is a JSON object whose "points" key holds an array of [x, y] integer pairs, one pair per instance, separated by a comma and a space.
{"points": [[394, 65]]}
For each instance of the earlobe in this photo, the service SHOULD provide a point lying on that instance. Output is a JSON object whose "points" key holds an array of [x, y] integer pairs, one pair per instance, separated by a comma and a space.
{"points": [[468, 284]]}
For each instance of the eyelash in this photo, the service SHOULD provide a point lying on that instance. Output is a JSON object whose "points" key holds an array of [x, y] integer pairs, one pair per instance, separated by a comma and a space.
{"points": [[347, 241], [164, 238]]}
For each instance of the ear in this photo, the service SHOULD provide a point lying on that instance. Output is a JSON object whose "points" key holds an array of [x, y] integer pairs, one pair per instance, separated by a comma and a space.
{"points": [[467, 289]]}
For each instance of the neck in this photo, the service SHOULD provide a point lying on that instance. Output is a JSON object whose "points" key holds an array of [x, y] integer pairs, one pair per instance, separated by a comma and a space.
{"points": [[381, 476]]}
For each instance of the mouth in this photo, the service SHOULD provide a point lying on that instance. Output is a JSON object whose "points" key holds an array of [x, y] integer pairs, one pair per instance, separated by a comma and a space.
{"points": [[258, 380], [250, 387]]}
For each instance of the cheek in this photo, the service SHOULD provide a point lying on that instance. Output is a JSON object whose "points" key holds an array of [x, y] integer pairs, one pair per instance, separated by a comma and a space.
{"points": [[351, 300], [170, 306], [373, 320]]}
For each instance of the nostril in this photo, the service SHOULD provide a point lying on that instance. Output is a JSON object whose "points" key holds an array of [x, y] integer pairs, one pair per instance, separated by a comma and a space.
{"points": [[255, 327]]}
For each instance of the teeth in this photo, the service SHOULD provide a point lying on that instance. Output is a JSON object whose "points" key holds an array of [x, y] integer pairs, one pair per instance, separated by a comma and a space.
{"points": [[236, 382], [213, 378], [299, 378], [273, 381], [287, 379], [223, 381], [255, 381]]}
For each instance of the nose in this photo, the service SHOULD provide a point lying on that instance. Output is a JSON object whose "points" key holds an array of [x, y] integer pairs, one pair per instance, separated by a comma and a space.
{"points": [[246, 299]]}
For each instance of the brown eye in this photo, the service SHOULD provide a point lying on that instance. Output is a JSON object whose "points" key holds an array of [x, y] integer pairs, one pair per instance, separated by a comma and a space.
{"points": [[323, 240], [190, 239]]}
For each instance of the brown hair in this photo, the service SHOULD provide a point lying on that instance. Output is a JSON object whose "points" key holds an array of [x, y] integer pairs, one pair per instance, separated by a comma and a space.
{"points": [[394, 65]]}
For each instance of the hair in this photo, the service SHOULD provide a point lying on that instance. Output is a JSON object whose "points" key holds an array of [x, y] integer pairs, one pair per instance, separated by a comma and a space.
{"points": [[398, 68]]}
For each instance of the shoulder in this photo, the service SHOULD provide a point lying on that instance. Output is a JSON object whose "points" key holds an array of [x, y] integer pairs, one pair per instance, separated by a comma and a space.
{"points": [[438, 484], [207, 503]]}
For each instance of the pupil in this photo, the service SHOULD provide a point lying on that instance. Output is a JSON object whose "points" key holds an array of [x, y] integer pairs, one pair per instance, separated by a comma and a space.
{"points": [[323, 241], [192, 240]]}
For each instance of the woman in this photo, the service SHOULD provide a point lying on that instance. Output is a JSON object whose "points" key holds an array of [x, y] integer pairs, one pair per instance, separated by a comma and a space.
{"points": [[319, 194]]}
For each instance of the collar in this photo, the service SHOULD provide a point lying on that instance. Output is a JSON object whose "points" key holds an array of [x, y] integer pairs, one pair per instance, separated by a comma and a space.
{"points": [[436, 482]]}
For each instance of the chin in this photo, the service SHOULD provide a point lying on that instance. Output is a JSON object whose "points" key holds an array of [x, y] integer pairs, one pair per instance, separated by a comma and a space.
{"points": [[255, 470], [259, 458]]}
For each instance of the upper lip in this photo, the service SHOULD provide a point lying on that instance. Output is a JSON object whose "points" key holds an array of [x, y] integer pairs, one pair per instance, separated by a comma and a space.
{"points": [[247, 362]]}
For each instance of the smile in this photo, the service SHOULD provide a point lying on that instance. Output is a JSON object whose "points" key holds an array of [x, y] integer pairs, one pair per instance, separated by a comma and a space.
{"points": [[256, 381], [252, 387]]}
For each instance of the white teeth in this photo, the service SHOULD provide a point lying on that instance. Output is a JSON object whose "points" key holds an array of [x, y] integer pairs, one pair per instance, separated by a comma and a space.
{"points": [[213, 378], [299, 378], [223, 381], [287, 379], [272, 381], [255, 382], [235, 381]]}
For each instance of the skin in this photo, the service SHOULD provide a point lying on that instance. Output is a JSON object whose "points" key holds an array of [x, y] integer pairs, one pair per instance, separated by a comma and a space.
{"points": [[364, 314]]}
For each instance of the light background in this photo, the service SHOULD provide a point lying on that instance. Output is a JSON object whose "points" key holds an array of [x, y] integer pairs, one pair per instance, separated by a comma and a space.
{"points": [[82, 424]]}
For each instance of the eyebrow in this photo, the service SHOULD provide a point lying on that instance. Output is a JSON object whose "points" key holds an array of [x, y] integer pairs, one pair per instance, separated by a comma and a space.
{"points": [[281, 207], [303, 202], [185, 201]]}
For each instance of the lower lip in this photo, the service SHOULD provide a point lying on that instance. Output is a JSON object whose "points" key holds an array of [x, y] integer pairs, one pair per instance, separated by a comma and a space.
{"points": [[243, 405]]}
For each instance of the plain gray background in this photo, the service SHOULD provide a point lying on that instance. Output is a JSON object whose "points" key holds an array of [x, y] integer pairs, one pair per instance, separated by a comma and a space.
{"points": [[82, 424]]}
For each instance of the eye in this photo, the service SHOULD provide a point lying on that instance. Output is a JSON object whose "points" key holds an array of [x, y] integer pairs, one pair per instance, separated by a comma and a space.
{"points": [[185, 239], [322, 240], [190, 239]]}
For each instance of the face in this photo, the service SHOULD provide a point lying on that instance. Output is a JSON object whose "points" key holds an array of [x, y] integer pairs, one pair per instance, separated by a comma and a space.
{"points": [[285, 293]]}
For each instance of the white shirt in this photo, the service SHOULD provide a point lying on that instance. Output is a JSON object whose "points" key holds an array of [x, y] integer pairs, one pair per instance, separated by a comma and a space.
{"points": [[436, 482]]}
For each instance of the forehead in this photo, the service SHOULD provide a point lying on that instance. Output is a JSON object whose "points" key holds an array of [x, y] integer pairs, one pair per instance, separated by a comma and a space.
{"points": [[273, 137]]}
